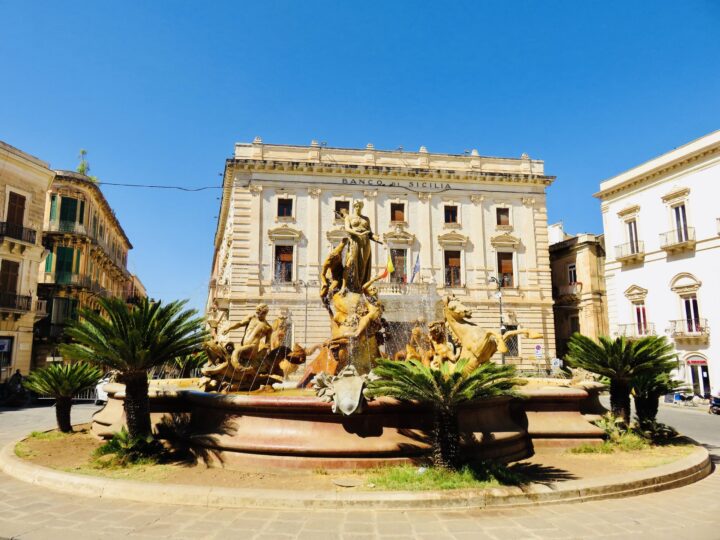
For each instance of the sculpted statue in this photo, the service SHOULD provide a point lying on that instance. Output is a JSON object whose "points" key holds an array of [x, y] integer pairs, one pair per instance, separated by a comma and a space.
{"points": [[441, 351], [333, 266], [476, 344], [358, 260], [256, 338]]}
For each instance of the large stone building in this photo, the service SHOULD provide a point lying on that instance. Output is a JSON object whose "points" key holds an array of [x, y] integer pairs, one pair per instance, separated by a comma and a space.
{"points": [[449, 222], [662, 227], [577, 265], [87, 257], [24, 181]]}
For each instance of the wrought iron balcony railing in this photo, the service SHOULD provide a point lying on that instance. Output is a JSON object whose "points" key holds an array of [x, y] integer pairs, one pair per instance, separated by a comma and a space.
{"points": [[67, 278], [631, 251], [71, 227], [678, 239], [689, 329], [17, 232], [636, 330], [15, 302]]}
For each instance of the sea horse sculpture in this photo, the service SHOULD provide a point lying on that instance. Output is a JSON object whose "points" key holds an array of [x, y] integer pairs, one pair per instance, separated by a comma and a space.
{"points": [[476, 344]]}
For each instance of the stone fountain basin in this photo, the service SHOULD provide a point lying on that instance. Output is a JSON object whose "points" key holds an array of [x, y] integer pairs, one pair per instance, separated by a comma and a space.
{"points": [[251, 431]]}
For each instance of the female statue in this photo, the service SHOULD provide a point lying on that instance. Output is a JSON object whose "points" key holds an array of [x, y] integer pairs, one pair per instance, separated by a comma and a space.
{"points": [[358, 260]]}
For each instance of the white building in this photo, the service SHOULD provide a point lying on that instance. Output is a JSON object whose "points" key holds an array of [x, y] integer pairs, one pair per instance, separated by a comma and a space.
{"points": [[662, 226], [461, 219]]}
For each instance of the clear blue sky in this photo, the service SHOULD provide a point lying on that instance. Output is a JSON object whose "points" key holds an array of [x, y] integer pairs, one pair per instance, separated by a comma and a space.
{"points": [[158, 92]]}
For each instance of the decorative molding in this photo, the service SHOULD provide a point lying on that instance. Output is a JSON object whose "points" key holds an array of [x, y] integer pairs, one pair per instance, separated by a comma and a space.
{"points": [[334, 236], [685, 283], [629, 211], [677, 194], [370, 194], [285, 232], [255, 189], [424, 196], [635, 294], [477, 199], [528, 201], [314, 192], [452, 239], [505, 240], [399, 236]]}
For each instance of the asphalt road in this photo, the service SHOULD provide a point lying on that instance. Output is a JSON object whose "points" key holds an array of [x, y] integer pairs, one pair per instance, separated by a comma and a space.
{"points": [[694, 422]]}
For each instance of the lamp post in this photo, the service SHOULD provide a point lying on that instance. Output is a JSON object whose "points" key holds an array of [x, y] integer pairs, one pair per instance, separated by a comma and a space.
{"points": [[498, 295]]}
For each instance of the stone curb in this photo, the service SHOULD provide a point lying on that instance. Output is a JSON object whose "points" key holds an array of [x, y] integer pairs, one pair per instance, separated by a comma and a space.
{"points": [[685, 471]]}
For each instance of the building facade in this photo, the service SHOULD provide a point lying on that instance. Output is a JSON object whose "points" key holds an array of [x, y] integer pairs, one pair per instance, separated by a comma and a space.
{"points": [[577, 265], [24, 180], [449, 223], [662, 228], [87, 258]]}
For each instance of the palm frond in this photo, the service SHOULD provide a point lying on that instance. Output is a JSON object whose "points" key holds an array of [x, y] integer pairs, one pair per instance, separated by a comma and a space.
{"points": [[62, 380]]}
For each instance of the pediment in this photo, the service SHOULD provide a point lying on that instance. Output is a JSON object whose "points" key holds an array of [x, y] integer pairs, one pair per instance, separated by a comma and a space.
{"points": [[635, 293], [335, 236], [399, 236], [629, 211], [685, 283], [505, 240], [676, 193], [452, 238], [285, 232]]}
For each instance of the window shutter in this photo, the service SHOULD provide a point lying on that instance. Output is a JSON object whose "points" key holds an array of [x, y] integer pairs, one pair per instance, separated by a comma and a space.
{"points": [[16, 209], [53, 207], [49, 262], [76, 270]]}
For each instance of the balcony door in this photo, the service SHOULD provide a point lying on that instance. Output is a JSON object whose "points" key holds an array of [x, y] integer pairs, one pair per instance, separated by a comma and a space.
{"points": [[9, 273], [64, 265], [399, 259], [68, 213], [633, 236], [681, 228], [16, 209], [692, 315], [641, 319]]}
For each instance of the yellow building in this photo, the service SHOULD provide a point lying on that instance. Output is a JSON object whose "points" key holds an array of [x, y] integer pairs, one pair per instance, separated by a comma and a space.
{"points": [[451, 224], [24, 180], [578, 286], [87, 257]]}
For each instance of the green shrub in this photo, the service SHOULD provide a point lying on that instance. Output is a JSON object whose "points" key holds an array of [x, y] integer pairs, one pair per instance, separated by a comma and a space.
{"points": [[127, 450]]}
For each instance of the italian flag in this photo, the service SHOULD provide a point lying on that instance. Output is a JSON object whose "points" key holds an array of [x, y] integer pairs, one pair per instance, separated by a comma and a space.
{"points": [[389, 267]]}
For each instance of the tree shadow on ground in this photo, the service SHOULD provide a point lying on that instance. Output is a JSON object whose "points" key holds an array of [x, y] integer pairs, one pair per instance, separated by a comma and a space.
{"points": [[184, 446], [540, 474]]}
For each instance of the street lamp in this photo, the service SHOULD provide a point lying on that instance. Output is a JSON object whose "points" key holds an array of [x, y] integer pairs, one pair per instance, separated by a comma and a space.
{"points": [[498, 295]]}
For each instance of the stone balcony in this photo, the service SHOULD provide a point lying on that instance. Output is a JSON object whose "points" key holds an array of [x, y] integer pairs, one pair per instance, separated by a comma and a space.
{"points": [[569, 292], [690, 330], [678, 240], [636, 330], [630, 252], [403, 288]]}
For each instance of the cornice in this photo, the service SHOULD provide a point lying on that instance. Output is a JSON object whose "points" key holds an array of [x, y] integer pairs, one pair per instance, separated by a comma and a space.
{"points": [[372, 171]]}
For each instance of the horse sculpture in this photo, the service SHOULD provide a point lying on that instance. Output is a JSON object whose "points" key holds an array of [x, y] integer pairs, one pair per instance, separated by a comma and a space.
{"points": [[476, 344]]}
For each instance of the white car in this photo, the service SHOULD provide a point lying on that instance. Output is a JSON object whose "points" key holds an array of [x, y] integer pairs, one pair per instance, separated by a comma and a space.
{"points": [[100, 393]]}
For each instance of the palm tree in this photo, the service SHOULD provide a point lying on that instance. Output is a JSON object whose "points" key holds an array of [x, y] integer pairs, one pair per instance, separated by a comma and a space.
{"points": [[621, 360], [131, 339], [646, 390], [444, 390], [190, 362], [63, 381]]}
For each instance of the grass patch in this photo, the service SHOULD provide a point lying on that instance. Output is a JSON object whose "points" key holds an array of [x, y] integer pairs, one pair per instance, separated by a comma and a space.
{"points": [[48, 435], [137, 471], [412, 478], [22, 451], [605, 447]]}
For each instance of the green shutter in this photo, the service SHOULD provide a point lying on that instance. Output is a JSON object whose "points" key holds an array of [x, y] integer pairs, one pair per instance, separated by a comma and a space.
{"points": [[63, 265], [77, 261], [53, 207], [48, 262], [68, 210]]}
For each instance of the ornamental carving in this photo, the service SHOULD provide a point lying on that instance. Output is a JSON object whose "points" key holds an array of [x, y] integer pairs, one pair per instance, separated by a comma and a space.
{"points": [[677, 194], [452, 239], [477, 199], [335, 236], [285, 232], [685, 283], [255, 189], [635, 294], [399, 236], [505, 240], [314, 192]]}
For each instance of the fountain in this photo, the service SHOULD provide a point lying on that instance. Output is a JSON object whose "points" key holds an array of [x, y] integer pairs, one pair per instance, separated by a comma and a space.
{"points": [[243, 411]]}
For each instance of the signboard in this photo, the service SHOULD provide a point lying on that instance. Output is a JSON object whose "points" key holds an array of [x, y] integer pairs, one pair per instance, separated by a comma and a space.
{"points": [[4, 345], [556, 363], [538, 352], [696, 362]]}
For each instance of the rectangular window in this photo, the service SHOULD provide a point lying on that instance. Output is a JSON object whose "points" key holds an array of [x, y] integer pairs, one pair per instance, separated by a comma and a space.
{"points": [[505, 269], [397, 212], [284, 264], [452, 269], [63, 309], [81, 215], [451, 214], [64, 265], [572, 274], [285, 208], [341, 208], [681, 228], [68, 213], [513, 343], [692, 315], [641, 319], [399, 259], [16, 209], [9, 273], [503, 216], [633, 236]]}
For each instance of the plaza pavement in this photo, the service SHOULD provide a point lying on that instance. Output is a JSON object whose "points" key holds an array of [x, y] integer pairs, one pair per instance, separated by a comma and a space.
{"points": [[30, 512]]}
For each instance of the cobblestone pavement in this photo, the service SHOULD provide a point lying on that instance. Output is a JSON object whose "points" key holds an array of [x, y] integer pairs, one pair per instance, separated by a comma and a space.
{"points": [[29, 512]]}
